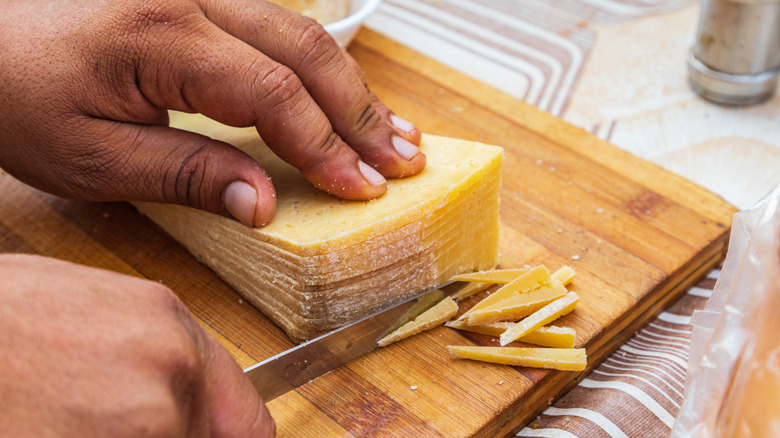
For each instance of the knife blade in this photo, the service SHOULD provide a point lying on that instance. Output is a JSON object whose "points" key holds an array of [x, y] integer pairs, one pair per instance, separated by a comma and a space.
{"points": [[301, 364]]}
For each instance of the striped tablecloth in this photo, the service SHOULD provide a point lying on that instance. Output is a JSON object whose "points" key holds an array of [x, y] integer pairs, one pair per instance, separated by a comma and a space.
{"points": [[616, 68]]}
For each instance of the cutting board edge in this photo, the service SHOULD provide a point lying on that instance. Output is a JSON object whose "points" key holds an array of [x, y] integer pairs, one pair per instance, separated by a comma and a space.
{"points": [[512, 420]]}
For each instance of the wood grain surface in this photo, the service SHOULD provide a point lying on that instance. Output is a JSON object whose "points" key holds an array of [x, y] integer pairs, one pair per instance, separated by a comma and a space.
{"points": [[637, 235]]}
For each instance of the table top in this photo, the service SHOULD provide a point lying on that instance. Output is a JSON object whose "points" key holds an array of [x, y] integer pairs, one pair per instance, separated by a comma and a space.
{"points": [[616, 68]]}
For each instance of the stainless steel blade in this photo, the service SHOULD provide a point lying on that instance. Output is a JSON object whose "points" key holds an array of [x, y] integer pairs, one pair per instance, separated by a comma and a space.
{"points": [[305, 362]]}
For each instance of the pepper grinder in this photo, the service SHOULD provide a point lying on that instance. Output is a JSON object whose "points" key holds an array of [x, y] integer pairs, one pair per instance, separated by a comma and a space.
{"points": [[735, 59]]}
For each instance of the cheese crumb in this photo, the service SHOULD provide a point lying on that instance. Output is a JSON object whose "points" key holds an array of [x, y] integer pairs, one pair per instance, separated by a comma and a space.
{"points": [[413, 387], [575, 257]]}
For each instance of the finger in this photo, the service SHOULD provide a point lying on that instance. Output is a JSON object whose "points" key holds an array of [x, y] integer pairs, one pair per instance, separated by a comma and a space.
{"points": [[406, 129], [229, 81], [235, 408], [161, 164], [315, 57]]}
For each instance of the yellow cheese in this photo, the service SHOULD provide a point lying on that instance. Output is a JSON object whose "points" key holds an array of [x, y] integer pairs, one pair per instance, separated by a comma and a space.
{"points": [[421, 305], [323, 262], [566, 359], [490, 329], [436, 315], [524, 283], [497, 276], [514, 308], [470, 290], [543, 316], [552, 336], [564, 274]]}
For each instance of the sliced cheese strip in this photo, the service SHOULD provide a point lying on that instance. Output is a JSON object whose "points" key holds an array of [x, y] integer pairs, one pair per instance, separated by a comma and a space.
{"points": [[524, 283], [552, 336], [491, 329], [436, 315], [519, 306], [496, 276], [543, 316], [566, 359], [564, 274], [421, 306], [470, 290]]}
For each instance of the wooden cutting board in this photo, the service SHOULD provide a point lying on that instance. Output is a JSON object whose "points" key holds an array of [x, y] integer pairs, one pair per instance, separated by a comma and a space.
{"points": [[638, 237]]}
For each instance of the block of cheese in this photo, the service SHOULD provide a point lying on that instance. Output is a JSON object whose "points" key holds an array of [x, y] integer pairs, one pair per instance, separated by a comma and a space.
{"points": [[323, 262]]}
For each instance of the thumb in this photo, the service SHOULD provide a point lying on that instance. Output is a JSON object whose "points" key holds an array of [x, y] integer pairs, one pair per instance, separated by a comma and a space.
{"points": [[161, 164], [235, 409]]}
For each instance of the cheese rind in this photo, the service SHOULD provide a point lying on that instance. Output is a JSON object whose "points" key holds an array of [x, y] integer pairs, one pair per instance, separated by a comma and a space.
{"points": [[543, 316], [436, 315], [323, 262], [565, 359]]}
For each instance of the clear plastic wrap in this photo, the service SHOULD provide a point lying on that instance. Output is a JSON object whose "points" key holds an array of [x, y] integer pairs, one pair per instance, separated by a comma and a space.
{"points": [[733, 383]]}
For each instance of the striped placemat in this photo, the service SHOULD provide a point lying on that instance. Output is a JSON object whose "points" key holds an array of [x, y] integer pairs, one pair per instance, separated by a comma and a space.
{"points": [[637, 391]]}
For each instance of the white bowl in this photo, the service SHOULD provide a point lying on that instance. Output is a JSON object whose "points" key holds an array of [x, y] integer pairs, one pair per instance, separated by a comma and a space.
{"points": [[344, 30]]}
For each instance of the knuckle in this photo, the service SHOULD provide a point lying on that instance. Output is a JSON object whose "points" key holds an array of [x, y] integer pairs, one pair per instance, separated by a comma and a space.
{"points": [[155, 13], [316, 44], [280, 89], [91, 172], [367, 118], [323, 154], [187, 179]]}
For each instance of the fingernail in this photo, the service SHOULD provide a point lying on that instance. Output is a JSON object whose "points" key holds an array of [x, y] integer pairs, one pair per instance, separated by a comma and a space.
{"points": [[404, 148], [240, 201], [371, 175], [402, 124]]}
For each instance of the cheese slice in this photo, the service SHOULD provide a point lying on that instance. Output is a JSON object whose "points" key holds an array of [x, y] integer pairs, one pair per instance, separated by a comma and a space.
{"points": [[564, 274], [543, 316], [497, 276], [470, 290], [519, 306], [436, 315], [551, 336], [524, 283], [323, 262], [566, 359]]}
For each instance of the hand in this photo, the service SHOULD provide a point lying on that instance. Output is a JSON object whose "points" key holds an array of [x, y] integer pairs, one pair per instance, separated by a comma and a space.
{"points": [[90, 353], [85, 86]]}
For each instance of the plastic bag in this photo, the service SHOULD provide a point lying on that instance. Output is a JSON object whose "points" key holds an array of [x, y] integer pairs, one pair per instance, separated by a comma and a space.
{"points": [[733, 383]]}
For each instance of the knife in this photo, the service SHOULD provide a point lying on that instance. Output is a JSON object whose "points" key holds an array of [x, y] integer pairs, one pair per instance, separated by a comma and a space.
{"points": [[292, 368]]}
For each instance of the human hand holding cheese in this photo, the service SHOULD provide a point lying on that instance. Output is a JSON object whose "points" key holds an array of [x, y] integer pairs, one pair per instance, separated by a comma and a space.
{"points": [[86, 86]]}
